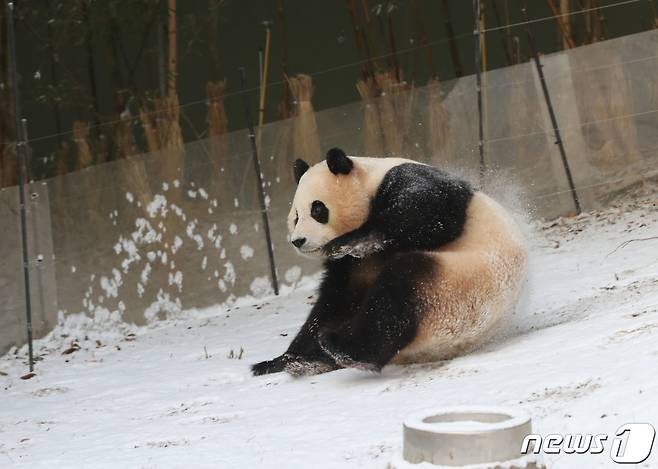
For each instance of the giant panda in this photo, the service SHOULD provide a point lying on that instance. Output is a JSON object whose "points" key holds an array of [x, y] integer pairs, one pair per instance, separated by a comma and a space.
{"points": [[419, 265]]}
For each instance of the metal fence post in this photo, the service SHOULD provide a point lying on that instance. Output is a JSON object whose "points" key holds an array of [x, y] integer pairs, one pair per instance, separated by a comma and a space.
{"points": [[259, 179], [20, 161]]}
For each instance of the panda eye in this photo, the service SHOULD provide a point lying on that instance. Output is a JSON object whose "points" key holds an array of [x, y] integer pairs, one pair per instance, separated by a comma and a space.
{"points": [[319, 212]]}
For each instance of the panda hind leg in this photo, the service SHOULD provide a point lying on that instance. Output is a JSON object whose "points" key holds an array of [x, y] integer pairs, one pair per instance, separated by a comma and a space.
{"points": [[388, 318]]}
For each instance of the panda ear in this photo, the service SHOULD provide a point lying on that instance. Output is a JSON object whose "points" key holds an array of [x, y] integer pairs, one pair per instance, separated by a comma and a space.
{"points": [[338, 161], [299, 167]]}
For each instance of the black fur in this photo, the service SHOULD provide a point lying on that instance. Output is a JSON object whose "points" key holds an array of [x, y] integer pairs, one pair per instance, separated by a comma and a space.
{"points": [[416, 208], [299, 167], [386, 320], [336, 303], [338, 162], [319, 212]]}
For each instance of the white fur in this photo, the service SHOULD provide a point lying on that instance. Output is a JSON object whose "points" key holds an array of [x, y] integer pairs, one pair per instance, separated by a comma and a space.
{"points": [[346, 196], [478, 277], [478, 283]]}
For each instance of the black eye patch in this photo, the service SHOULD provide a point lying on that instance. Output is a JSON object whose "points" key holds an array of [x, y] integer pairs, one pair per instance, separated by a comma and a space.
{"points": [[319, 212]]}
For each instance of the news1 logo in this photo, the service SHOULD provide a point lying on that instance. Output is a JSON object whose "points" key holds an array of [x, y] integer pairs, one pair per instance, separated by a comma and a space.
{"points": [[631, 444]]}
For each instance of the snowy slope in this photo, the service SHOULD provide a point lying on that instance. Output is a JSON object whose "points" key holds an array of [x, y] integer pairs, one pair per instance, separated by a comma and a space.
{"points": [[581, 356]]}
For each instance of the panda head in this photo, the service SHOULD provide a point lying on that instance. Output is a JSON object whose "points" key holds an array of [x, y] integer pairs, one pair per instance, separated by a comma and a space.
{"points": [[331, 200]]}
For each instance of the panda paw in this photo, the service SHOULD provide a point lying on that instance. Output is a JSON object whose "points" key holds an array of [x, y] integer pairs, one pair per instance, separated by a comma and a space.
{"points": [[361, 248], [275, 365], [336, 250]]}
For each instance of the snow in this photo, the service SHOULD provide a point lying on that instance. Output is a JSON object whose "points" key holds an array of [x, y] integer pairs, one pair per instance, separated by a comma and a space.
{"points": [[246, 252], [579, 356]]}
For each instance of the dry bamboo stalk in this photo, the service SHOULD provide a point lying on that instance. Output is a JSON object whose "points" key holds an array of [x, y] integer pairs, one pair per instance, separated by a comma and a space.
{"points": [[360, 39], [124, 137], [170, 138], [217, 124], [388, 120], [369, 32], [148, 125], [567, 38], [164, 138], [654, 16], [588, 22], [373, 144], [394, 109], [593, 22], [102, 149], [440, 143], [306, 142], [62, 159], [172, 33], [566, 30], [263, 82], [134, 172], [80, 137], [8, 167], [217, 119]]}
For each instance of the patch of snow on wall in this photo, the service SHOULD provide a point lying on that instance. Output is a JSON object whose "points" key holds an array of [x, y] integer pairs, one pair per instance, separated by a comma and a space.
{"points": [[157, 206], [176, 279], [178, 242], [260, 286], [293, 274], [197, 238], [229, 273], [111, 285], [246, 252], [146, 271], [165, 304]]}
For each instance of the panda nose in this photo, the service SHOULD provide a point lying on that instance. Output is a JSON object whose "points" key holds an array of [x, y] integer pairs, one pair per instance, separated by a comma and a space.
{"points": [[299, 242]]}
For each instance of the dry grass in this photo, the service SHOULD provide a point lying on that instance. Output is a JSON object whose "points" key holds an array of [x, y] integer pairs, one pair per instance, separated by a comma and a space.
{"points": [[395, 105], [305, 139], [440, 143], [81, 139], [373, 143], [161, 122], [217, 124]]}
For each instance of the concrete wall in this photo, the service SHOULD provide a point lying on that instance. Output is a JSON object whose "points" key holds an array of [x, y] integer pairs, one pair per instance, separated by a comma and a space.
{"points": [[142, 239], [13, 328]]}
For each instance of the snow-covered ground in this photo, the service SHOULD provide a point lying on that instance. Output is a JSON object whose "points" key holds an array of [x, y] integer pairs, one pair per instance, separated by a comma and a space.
{"points": [[580, 356]]}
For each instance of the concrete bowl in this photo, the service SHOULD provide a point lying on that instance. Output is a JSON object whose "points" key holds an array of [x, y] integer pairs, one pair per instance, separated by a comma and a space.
{"points": [[465, 435]]}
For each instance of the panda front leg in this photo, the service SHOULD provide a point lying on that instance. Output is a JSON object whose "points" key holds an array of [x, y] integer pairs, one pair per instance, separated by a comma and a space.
{"points": [[388, 318], [359, 243], [304, 355]]}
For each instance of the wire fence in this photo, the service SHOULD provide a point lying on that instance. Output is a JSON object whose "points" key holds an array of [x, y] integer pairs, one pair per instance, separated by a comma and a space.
{"points": [[131, 240], [349, 66]]}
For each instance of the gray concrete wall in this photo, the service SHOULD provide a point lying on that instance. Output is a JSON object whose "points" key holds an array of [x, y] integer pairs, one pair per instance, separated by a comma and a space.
{"points": [[142, 239], [13, 325]]}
